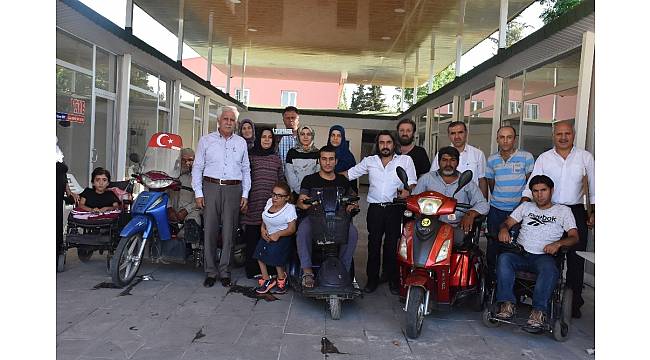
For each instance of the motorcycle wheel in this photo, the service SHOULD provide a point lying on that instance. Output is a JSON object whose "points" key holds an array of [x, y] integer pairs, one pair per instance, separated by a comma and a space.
{"points": [[60, 262], [84, 254], [127, 260], [335, 307], [479, 298], [415, 312]]}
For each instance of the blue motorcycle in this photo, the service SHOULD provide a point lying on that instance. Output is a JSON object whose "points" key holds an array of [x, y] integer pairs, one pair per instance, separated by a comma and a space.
{"points": [[159, 171]]}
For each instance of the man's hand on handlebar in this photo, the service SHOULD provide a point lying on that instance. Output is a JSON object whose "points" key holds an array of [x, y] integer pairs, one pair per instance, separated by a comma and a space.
{"points": [[552, 248], [467, 221], [403, 193], [504, 235], [351, 207], [301, 204]]}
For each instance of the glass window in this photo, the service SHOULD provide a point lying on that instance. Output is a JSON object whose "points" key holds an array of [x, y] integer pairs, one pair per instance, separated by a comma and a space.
{"points": [[289, 98], [143, 110], [143, 79], [187, 98], [565, 104], [514, 107], [74, 50], [163, 90], [197, 133], [185, 125], [163, 121], [245, 97], [105, 70], [212, 121]]}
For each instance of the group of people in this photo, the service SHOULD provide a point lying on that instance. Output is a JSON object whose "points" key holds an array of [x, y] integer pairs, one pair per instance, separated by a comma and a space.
{"points": [[261, 181]]}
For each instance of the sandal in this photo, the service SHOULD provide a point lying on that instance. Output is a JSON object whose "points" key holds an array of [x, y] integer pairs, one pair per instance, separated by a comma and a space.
{"points": [[308, 280]]}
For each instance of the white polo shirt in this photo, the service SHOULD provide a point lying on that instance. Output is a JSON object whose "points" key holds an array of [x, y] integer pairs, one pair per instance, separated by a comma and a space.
{"points": [[471, 158], [383, 180], [566, 175]]}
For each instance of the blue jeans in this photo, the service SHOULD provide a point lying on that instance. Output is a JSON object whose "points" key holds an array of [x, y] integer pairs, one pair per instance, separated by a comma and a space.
{"points": [[494, 220], [542, 264]]}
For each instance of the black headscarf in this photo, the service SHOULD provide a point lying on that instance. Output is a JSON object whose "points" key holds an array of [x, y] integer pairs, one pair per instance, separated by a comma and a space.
{"points": [[257, 145]]}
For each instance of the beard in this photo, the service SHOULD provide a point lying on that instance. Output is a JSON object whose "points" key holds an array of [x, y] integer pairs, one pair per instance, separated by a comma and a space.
{"points": [[404, 141], [385, 152], [447, 171]]}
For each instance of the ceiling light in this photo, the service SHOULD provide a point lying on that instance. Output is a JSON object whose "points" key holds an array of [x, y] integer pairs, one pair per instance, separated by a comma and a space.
{"points": [[235, 1], [252, 29], [399, 10], [385, 37]]}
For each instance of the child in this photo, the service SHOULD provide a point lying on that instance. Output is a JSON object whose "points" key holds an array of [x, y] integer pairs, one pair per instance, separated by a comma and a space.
{"points": [[278, 224], [99, 199]]}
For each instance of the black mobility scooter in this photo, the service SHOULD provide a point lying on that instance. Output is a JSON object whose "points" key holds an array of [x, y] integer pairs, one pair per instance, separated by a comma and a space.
{"points": [[329, 231], [559, 317]]}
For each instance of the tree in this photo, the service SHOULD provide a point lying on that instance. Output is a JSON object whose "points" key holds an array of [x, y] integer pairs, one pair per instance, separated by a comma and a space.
{"points": [[514, 33], [368, 99], [556, 8], [441, 79], [343, 101]]}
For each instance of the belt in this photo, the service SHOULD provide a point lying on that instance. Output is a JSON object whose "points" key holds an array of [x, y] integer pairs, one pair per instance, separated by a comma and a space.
{"points": [[220, 181], [384, 204]]}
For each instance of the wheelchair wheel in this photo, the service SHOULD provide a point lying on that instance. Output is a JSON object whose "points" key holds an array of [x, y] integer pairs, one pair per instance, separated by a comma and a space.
{"points": [[479, 299], [560, 330], [84, 254], [487, 319], [60, 262], [239, 257], [567, 305], [127, 259]]}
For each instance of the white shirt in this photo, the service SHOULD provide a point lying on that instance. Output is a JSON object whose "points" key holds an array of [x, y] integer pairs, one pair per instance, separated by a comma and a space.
{"points": [[471, 158], [383, 180], [566, 175], [221, 158], [280, 219]]}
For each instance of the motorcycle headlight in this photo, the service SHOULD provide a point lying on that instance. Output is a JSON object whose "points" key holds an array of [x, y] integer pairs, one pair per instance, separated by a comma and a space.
{"points": [[444, 250], [429, 206], [156, 184], [403, 251], [408, 213]]}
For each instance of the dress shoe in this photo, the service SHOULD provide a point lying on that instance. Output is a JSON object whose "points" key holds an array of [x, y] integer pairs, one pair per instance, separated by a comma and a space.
{"points": [[370, 288], [393, 287], [225, 282], [576, 313], [209, 281]]}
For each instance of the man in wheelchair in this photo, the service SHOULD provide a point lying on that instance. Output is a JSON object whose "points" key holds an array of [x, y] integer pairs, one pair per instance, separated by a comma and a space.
{"points": [[541, 236]]}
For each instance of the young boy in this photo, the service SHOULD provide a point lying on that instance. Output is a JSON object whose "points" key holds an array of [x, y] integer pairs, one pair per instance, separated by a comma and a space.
{"points": [[98, 199]]}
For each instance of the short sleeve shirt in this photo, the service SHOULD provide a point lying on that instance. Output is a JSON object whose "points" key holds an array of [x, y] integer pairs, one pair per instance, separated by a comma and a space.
{"points": [[509, 178], [315, 181], [540, 227], [279, 220], [95, 200]]}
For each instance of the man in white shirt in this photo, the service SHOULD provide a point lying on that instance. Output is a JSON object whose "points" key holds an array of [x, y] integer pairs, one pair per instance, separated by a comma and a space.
{"points": [[471, 158], [383, 219], [569, 166], [221, 179]]}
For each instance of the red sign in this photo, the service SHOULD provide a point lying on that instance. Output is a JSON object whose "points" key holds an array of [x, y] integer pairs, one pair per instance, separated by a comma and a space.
{"points": [[166, 140], [76, 118], [78, 106]]}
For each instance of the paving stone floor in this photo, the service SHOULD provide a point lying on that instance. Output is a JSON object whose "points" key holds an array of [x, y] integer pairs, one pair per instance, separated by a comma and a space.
{"points": [[173, 316]]}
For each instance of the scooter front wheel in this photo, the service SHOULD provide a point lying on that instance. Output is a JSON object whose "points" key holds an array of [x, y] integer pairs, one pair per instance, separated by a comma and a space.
{"points": [[127, 259], [335, 307], [415, 312]]}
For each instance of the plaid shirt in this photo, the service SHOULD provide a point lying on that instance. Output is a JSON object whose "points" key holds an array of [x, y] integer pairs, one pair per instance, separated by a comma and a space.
{"points": [[286, 143]]}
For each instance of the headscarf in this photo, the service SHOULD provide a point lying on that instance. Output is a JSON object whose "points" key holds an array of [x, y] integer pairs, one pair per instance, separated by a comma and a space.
{"points": [[257, 146], [299, 146], [250, 141], [344, 157]]}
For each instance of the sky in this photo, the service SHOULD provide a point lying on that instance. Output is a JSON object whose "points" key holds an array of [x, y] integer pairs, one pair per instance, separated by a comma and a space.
{"points": [[149, 30]]}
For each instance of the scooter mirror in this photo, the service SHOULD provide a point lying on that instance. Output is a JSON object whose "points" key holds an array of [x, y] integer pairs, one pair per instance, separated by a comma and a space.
{"points": [[401, 174], [134, 158], [464, 179]]}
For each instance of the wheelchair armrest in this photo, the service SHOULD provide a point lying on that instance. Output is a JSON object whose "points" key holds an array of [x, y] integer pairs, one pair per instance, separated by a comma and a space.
{"points": [[479, 220]]}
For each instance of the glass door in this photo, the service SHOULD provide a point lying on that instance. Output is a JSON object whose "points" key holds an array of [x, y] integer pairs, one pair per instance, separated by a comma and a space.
{"points": [[101, 153]]}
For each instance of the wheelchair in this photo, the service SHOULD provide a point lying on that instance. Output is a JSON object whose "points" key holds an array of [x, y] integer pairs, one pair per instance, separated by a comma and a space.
{"points": [[101, 234], [558, 319]]}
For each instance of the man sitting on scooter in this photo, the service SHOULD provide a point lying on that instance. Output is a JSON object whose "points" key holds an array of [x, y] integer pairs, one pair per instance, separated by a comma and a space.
{"points": [[445, 181], [326, 177], [542, 226], [181, 208]]}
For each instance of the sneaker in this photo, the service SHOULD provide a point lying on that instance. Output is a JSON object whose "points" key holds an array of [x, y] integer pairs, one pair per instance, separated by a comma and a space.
{"points": [[280, 287], [266, 286], [506, 311], [536, 319]]}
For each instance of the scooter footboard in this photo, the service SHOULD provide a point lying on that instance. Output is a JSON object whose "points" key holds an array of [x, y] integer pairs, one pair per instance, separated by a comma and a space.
{"points": [[138, 224], [463, 270]]}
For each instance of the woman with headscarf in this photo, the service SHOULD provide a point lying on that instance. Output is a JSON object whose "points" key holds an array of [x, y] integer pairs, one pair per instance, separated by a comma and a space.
{"points": [[302, 160], [266, 170], [247, 131], [344, 158]]}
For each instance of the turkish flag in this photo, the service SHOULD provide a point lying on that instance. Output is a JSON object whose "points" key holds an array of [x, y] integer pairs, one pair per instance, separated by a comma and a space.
{"points": [[166, 140]]}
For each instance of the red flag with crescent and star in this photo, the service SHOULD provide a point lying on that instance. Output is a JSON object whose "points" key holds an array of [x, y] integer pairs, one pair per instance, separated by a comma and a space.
{"points": [[166, 140]]}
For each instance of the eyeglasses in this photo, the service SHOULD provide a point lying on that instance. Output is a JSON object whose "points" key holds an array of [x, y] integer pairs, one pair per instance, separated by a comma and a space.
{"points": [[278, 196]]}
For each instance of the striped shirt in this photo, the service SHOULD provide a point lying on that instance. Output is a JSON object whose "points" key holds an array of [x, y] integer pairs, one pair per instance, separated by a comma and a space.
{"points": [[287, 143], [265, 172], [509, 178]]}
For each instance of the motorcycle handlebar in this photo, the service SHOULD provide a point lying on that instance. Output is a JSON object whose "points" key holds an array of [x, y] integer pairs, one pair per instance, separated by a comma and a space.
{"points": [[463, 206]]}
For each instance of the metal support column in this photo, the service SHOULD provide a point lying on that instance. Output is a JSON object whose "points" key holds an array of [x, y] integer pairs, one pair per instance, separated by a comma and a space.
{"points": [[456, 105], [584, 88], [402, 98], [208, 76], [432, 56], [123, 84], [415, 76], [243, 74], [181, 16], [496, 117], [503, 24], [229, 62], [176, 106], [128, 23], [459, 36], [206, 115]]}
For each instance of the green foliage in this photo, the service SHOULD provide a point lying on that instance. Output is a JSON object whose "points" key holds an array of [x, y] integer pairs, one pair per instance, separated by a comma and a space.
{"points": [[556, 8], [441, 79], [514, 33], [368, 98]]}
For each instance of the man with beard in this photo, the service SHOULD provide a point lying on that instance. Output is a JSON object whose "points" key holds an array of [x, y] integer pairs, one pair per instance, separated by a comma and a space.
{"points": [[445, 181], [406, 136], [471, 158], [382, 218], [572, 171]]}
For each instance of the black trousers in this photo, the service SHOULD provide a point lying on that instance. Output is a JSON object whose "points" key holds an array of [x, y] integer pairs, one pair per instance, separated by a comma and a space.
{"points": [[575, 264], [252, 234], [61, 181], [383, 224]]}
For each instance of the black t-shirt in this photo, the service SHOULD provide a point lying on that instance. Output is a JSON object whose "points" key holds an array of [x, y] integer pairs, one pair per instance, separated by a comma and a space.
{"points": [[316, 181], [420, 160], [95, 200]]}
